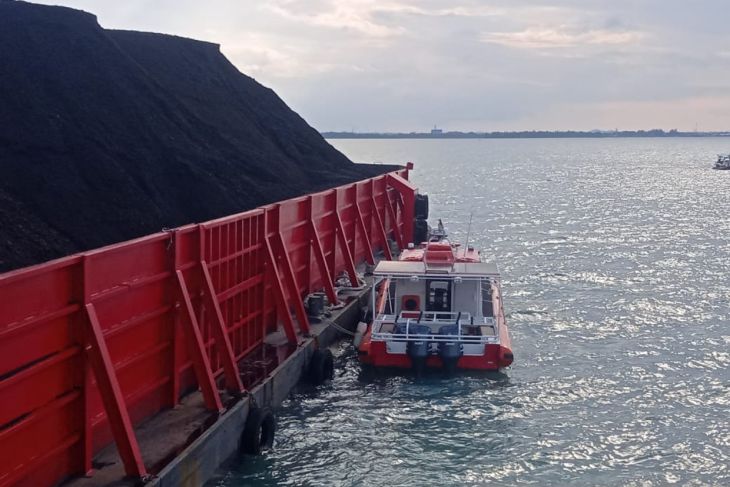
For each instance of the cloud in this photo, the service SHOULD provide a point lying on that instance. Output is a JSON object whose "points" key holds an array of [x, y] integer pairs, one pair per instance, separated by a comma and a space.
{"points": [[404, 65], [457, 11], [354, 15], [257, 55], [561, 37], [365, 17]]}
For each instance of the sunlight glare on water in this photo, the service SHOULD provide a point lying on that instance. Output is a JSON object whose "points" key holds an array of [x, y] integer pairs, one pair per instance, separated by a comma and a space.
{"points": [[616, 262]]}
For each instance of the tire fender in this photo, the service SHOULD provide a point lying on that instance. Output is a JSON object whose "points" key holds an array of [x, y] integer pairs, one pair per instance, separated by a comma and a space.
{"points": [[321, 367], [258, 434]]}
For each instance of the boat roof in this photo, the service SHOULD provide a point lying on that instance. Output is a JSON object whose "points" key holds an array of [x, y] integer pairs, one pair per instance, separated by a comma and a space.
{"points": [[399, 268]]}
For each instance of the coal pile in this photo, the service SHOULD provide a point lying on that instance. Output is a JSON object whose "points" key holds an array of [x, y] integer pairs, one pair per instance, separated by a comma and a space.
{"points": [[109, 135]]}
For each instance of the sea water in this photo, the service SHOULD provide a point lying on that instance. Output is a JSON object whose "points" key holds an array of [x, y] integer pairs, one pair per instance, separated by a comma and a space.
{"points": [[616, 262]]}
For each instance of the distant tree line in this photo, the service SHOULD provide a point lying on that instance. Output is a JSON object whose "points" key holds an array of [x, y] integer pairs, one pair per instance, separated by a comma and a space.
{"points": [[531, 134]]}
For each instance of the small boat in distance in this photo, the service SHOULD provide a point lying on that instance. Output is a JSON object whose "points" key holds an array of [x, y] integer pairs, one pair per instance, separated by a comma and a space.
{"points": [[438, 306], [723, 162]]}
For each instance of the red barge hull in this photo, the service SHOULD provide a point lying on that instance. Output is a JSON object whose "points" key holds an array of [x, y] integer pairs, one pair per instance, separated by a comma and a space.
{"points": [[96, 345]]}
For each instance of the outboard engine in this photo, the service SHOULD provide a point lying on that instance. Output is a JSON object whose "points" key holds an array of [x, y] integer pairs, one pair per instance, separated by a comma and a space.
{"points": [[450, 352], [417, 349]]}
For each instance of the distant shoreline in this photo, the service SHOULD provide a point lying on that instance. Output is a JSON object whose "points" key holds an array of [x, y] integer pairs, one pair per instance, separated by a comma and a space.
{"points": [[521, 135]]}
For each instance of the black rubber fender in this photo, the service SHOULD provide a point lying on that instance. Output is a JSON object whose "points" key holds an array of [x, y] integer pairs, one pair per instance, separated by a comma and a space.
{"points": [[420, 231], [258, 434], [421, 206], [321, 367]]}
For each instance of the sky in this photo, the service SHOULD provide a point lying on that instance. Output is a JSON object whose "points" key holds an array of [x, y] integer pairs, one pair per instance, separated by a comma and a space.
{"points": [[400, 65]]}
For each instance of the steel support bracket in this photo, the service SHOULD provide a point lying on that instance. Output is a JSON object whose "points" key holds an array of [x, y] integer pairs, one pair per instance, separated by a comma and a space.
{"points": [[394, 221], [342, 239], [408, 193], [201, 363], [222, 341], [381, 228], [318, 251], [369, 254], [111, 395], [291, 281], [291, 334]]}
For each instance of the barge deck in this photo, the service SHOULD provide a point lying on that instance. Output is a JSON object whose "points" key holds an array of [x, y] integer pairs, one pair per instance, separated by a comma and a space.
{"points": [[184, 446]]}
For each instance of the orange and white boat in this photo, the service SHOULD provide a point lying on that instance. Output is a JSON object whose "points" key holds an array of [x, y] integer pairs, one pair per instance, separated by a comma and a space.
{"points": [[438, 306]]}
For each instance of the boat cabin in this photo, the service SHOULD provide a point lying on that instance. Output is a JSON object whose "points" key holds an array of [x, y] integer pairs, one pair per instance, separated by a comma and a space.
{"points": [[438, 306], [444, 297]]}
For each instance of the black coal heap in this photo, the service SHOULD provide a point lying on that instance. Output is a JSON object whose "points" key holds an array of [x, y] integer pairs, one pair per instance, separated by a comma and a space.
{"points": [[108, 135]]}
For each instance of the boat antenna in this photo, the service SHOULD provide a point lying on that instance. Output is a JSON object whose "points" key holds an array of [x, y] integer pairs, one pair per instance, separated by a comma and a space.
{"points": [[468, 232]]}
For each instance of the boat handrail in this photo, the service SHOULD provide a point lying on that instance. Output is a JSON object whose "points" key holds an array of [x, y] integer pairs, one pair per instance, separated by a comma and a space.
{"points": [[465, 319], [412, 337], [437, 316], [433, 336], [468, 339]]}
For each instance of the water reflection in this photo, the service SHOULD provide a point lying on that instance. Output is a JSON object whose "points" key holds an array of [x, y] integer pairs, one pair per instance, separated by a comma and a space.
{"points": [[616, 265]]}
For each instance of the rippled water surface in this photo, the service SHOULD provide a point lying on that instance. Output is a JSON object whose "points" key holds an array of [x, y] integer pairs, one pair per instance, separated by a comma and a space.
{"points": [[616, 263]]}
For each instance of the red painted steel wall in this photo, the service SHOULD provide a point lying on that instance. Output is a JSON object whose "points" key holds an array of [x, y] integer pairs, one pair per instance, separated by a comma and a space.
{"points": [[54, 415]]}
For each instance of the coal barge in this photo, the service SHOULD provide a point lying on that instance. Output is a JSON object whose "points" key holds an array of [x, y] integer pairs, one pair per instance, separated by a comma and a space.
{"points": [[156, 360]]}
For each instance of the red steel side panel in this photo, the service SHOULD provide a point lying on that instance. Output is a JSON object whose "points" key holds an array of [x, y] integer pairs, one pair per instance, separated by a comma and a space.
{"points": [[47, 386], [234, 249]]}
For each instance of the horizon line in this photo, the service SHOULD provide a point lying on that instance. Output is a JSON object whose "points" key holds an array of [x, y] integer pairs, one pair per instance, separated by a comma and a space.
{"points": [[436, 133]]}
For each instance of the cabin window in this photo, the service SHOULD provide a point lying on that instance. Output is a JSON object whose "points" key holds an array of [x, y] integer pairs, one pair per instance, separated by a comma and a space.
{"points": [[487, 303], [438, 296]]}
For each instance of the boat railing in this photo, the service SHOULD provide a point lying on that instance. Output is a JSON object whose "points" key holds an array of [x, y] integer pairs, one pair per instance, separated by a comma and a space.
{"points": [[418, 329], [445, 317]]}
